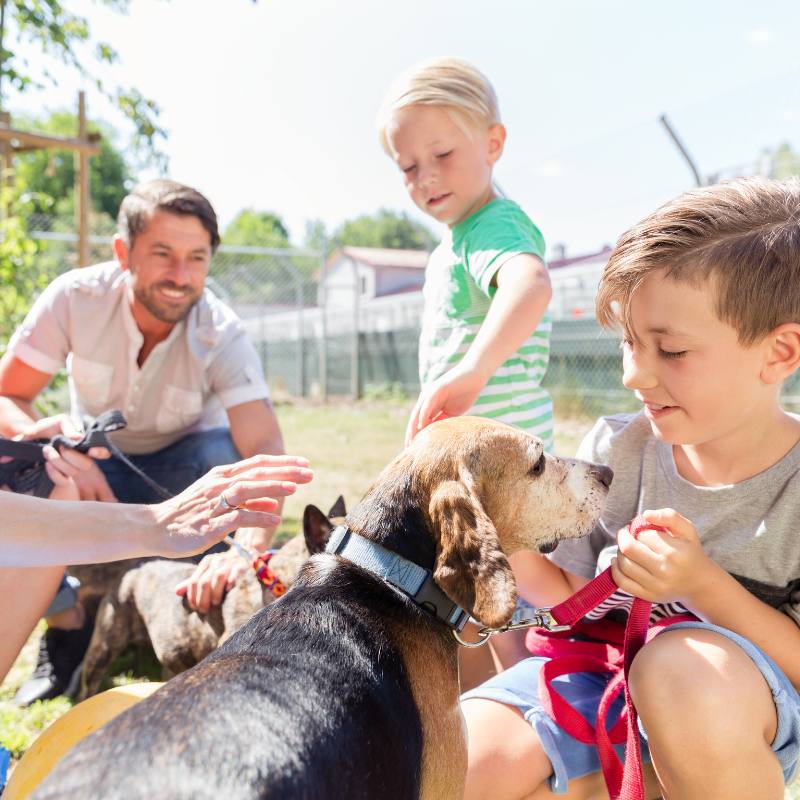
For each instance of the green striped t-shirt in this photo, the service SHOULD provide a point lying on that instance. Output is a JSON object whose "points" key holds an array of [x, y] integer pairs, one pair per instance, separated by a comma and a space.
{"points": [[457, 295]]}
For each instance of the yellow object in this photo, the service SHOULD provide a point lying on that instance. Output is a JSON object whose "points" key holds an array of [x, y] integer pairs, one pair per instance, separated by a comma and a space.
{"points": [[54, 741]]}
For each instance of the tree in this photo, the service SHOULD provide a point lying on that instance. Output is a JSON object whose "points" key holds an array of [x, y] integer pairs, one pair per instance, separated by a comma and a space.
{"points": [[316, 236], [783, 161], [62, 35], [257, 229], [384, 229], [49, 175]]}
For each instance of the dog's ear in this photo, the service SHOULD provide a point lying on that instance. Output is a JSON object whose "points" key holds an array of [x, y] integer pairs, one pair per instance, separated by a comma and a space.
{"points": [[316, 529], [470, 568], [338, 509]]}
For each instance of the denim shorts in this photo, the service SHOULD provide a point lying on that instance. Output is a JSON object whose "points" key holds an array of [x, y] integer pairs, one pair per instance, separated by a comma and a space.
{"points": [[66, 596], [519, 687]]}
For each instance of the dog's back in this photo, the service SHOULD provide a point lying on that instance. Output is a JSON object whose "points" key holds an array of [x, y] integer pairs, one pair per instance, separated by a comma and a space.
{"points": [[293, 705]]}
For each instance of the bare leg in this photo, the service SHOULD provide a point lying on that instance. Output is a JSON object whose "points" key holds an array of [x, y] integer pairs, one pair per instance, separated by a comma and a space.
{"points": [[505, 757], [709, 716], [26, 593], [506, 760]]}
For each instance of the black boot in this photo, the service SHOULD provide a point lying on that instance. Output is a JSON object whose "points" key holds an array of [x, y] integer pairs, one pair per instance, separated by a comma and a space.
{"points": [[58, 668]]}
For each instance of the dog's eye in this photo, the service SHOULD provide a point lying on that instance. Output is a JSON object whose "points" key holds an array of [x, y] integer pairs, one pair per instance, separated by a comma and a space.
{"points": [[538, 468]]}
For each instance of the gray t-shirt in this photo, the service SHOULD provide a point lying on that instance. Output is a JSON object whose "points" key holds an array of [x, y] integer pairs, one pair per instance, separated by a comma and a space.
{"points": [[205, 366], [751, 528]]}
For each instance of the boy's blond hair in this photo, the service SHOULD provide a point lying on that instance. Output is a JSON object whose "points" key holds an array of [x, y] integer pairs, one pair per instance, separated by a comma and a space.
{"points": [[743, 236], [452, 84]]}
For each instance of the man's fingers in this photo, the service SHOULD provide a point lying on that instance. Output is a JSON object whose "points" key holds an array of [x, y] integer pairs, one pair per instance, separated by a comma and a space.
{"points": [[218, 583], [98, 452], [58, 478], [235, 573], [202, 596], [61, 464], [105, 495]]}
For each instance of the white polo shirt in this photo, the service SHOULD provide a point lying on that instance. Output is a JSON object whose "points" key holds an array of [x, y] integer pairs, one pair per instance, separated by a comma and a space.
{"points": [[205, 365]]}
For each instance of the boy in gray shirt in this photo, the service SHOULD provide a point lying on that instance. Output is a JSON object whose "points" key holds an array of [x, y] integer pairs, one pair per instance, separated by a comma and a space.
{"points": [[707, 293]]}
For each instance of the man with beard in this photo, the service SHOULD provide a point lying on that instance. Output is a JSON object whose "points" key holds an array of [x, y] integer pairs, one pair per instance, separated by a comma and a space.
{"points": [[143, 335]]}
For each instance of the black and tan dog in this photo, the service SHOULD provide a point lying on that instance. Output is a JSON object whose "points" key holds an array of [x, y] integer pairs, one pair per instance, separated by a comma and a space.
{"points": [[141, 607], [345, 687]]}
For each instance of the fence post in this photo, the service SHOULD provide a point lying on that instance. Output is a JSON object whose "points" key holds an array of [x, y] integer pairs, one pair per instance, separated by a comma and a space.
{"points": [[354, 390], [322, 299]]}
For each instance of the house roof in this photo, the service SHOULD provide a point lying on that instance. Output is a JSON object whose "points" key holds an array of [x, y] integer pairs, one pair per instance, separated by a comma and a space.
{"points": [[378, 257], [568, 261]]}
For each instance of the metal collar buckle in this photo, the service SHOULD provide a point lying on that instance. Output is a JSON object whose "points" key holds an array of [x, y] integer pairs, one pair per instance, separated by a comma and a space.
{"points": [[542, 618]]}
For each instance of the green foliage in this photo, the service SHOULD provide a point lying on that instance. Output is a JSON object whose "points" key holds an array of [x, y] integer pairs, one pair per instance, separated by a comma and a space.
{"points": [[63, 36], [384, 229], [257, 229], [20, 726], [50, 174], [20, 274], [784, 162], [316, 237]]}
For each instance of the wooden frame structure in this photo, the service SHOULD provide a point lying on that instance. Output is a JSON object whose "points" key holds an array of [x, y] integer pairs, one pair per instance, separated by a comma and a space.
{"points": [[84, 145]]}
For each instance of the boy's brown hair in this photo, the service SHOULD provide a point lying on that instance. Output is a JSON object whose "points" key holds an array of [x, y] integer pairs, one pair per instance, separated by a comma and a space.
{"points": [[164, 195], [743, 235]]}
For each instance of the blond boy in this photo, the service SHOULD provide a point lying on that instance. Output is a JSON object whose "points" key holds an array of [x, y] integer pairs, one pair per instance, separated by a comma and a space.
{"points": [[707, 293], [485, 337]]}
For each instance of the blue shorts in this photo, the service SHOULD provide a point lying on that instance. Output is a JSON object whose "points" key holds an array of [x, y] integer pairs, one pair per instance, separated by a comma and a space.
{"points": [[66, 596], [519, 687]]}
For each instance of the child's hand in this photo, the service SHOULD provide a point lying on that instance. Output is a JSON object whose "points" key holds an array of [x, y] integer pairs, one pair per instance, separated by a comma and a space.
{"points": [[451, 395], [662, 567]]}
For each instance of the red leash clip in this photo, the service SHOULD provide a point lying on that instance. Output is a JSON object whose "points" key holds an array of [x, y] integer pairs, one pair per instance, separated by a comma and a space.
{"points": [[260, 565], [266, 576]]}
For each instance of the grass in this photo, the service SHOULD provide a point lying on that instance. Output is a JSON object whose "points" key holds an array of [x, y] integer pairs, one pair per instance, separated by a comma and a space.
{"points": [[348, 444]]}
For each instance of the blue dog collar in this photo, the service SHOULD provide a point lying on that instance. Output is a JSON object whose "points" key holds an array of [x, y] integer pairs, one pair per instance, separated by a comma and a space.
{"points": [[410, 578]]}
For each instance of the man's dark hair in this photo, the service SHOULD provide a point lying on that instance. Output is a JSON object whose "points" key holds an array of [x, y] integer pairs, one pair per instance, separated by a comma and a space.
{"points": [[162, 195]]}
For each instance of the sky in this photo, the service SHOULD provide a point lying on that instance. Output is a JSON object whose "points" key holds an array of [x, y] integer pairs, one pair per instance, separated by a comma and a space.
{"points": [[272, 105]]}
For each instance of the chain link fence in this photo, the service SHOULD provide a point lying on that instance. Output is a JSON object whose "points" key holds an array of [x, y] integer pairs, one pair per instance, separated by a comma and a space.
{"points": [[315, 346]]}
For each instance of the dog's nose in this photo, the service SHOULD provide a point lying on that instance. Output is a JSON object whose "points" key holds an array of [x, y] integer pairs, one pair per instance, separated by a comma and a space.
{"points": [[604, 474]]}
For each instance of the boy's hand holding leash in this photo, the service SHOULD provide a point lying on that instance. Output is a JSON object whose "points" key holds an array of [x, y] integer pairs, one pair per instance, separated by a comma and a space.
{"points": [[664, 566]]}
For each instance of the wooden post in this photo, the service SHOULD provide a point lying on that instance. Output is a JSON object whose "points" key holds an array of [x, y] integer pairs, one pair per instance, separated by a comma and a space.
{"points": [[7, 163], [82, 186]]}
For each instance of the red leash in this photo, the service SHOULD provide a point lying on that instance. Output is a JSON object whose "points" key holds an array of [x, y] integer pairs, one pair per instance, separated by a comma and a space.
{"points": [[607, 651]]}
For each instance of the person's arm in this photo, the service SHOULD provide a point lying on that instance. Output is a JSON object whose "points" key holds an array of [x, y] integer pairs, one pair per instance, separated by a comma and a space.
{"points": [[664, 567], [541, 582], [254, 429], [40, 532], [20, 384], [522, 296]]}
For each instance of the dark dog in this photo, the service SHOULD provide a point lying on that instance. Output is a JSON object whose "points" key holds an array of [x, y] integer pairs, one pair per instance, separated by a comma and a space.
{"points": [[141, 606], [346, 688]]}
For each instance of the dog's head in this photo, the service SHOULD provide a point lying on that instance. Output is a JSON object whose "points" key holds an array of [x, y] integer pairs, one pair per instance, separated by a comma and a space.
{"points": [[484, 490]]}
